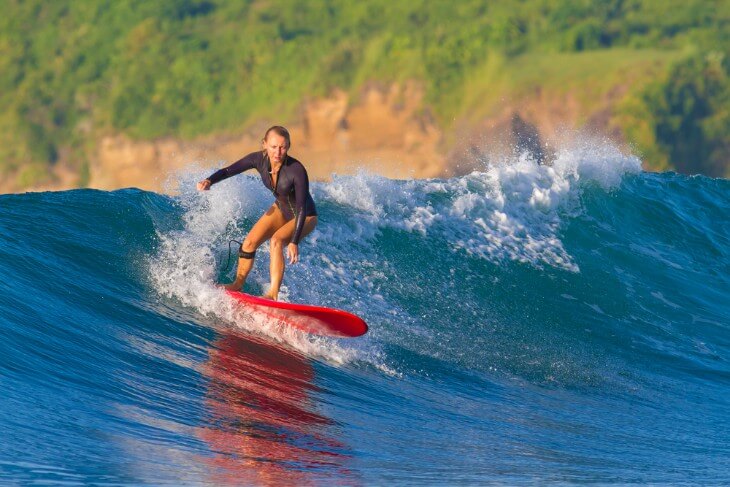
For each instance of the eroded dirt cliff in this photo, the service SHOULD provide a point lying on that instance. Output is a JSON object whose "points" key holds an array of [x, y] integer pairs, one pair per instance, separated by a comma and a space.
{"points": [[386, 130]]}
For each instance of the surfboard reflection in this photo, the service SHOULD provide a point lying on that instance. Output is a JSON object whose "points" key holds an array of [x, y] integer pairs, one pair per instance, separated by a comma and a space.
{"points": [[263, 429]]}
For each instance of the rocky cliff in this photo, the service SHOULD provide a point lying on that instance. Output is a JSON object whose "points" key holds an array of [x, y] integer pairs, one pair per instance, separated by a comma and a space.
{"points": [[382, 129]]}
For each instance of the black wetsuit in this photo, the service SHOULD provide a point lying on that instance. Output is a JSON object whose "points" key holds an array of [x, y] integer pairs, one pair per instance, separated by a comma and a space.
{"points": [[292, 186]]}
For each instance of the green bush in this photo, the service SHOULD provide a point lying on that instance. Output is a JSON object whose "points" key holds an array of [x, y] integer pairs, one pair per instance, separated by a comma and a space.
{"points": [[690, 114]]}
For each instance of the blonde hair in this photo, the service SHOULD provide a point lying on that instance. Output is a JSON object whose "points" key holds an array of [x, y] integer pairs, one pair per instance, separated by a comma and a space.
{"points": [[281, 131]]}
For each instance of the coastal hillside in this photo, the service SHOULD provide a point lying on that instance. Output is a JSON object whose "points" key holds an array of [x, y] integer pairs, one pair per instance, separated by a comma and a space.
{"points": [[111, 94]]}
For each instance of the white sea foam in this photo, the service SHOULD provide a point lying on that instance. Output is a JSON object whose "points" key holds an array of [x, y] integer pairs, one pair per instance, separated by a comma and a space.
{"points": [[184, 267], [594, 159], [506, 212]]}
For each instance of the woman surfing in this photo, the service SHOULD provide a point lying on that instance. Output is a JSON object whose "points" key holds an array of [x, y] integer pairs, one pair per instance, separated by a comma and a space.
{"points": [[292, 216]]}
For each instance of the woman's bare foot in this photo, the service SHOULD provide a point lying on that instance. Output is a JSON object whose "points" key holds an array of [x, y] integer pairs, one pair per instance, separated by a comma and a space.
{"points": [[234, 286], [271, 296]]}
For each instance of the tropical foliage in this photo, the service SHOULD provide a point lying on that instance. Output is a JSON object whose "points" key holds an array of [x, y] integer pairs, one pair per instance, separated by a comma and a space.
{"points": [[70, 70]]}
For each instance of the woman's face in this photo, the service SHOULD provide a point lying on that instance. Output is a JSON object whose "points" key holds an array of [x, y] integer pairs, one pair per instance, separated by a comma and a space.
{"points": [[275, 146]]}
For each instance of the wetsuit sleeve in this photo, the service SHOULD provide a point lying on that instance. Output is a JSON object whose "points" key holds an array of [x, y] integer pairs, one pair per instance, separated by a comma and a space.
{"points": [[301, 190], [241, 165]]}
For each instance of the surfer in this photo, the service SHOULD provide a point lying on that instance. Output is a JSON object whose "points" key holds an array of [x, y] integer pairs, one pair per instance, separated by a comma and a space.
{"points": [[292, 216]]}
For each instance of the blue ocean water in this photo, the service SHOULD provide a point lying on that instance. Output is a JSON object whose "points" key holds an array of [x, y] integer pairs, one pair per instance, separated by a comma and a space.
{"points": [[528, 324]]}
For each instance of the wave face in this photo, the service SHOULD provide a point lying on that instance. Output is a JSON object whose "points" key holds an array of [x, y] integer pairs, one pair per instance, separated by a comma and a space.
{"points": [[527, 323]]}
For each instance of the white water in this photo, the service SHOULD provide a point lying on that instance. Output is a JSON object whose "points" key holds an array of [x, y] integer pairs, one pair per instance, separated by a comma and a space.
{"points": [[507, 212]]}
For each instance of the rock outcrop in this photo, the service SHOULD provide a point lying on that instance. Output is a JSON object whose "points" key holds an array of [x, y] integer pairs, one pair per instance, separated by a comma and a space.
{"points": [[384, 131]]}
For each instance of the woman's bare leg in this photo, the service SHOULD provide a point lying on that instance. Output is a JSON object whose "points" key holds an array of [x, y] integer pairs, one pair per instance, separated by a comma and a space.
{"points": [[279, 241], [262, 230]]}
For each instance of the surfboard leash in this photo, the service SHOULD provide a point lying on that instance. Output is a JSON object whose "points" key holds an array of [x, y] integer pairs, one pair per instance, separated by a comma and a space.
{"points": [[228, 260]]}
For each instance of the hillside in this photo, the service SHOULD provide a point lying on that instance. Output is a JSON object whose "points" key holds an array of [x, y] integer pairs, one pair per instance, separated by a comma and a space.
{"points": [[381, 80]]}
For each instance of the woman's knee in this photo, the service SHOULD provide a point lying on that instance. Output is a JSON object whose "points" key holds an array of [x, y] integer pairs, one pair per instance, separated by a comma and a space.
{"points": [[249, 244], [278, 242]]}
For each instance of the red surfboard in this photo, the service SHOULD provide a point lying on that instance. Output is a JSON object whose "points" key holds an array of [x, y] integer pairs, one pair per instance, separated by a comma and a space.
{"points": [[312, 319]]}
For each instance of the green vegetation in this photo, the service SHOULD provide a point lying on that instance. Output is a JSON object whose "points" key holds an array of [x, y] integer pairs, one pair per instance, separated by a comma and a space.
{"points": [[691, 114], [70, 71]]}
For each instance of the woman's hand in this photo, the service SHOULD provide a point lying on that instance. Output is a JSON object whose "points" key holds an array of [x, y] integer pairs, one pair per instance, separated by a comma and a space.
{"points": [[292, 252], [204, 185]]}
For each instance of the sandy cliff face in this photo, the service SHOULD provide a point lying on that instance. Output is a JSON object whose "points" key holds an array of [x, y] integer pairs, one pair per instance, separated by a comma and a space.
{"points": [[383, 131]]}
